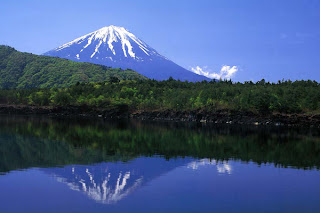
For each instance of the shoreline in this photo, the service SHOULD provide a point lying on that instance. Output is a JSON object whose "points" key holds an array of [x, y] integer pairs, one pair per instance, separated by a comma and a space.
{"points": [[199, 116]]}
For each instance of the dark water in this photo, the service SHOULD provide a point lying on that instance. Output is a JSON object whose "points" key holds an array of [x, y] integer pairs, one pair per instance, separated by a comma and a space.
{"points": [[72, 165]]}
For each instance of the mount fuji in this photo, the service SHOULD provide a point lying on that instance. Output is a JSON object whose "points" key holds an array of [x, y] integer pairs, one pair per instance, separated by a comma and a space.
{"points": [[116, 47]]}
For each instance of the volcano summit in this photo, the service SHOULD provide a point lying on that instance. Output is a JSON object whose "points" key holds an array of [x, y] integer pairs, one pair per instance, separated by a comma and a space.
{"points": [[117, 47]]}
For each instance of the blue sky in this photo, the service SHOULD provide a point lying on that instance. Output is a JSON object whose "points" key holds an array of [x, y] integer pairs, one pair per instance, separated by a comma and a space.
{"points": [[271, 39]]}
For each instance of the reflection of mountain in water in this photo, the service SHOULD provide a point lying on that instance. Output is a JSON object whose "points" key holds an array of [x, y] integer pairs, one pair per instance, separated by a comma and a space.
{"points": [[98, 182], [74, 144], [110, 182]]}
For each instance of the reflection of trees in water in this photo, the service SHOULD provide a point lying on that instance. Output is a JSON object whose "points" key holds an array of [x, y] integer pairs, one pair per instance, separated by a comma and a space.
{"points": [[39, 142]]}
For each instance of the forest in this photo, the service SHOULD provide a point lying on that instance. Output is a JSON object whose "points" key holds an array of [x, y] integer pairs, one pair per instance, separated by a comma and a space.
{"points": [[26, 70], [28, 79], [261, 97]]}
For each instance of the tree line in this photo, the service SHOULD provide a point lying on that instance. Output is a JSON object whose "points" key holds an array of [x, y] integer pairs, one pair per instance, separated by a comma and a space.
{"points": [[260, 97]]}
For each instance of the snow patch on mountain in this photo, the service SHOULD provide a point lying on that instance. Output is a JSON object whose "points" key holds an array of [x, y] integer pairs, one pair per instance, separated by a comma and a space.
{"points": [[109, 36]]}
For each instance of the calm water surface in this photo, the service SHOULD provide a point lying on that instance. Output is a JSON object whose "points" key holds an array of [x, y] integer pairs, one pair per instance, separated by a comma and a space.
{"points": [[72, 165]]}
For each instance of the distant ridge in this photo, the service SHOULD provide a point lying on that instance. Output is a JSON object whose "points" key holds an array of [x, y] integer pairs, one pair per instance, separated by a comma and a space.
{"points": [[116, 47]]}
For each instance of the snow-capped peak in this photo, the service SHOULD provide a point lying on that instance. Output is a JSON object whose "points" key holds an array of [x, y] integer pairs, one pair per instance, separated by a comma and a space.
{"points": [[117, 47], [108, 37]]}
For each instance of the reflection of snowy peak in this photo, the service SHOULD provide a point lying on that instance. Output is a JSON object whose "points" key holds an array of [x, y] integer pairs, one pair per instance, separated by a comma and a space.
{"points": [[117, 47], [99, 183], [111, 182]]}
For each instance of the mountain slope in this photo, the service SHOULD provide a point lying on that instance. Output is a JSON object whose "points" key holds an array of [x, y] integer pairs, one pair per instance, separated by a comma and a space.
{"points": [[25, 70], [117, 47]]}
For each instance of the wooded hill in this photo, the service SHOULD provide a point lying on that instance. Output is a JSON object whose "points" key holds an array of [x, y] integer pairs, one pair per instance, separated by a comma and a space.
{"points": [[26, 70]]}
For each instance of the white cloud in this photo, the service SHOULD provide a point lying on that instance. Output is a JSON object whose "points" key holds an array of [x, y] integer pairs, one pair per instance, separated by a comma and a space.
{"points": [[226, 72]]}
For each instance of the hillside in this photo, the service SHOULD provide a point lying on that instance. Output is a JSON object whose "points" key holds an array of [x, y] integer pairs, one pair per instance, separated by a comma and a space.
{"points": [[25, 70]]}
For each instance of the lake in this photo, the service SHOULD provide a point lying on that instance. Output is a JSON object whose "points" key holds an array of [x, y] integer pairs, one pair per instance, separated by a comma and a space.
{"points": [[88, 165]]}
